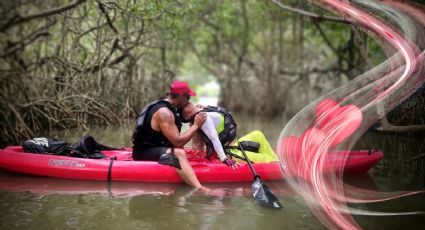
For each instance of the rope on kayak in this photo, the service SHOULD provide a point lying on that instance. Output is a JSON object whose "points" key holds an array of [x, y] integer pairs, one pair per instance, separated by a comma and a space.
{"points": [[110, 168]]}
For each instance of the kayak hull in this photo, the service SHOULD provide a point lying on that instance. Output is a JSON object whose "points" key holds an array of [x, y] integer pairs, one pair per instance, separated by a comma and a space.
{"points": [[125, 169]]}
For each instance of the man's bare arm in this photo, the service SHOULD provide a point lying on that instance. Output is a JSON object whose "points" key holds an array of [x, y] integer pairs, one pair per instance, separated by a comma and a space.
{"points": [[166, 121]]}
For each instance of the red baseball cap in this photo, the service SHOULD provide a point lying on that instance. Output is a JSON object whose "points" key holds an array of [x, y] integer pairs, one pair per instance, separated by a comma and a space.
{"points": [[181, 87]]}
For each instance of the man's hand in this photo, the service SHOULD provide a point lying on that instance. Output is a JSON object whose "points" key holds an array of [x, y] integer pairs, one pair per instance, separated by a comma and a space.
{"points": [[231, 163], [200, 119]]}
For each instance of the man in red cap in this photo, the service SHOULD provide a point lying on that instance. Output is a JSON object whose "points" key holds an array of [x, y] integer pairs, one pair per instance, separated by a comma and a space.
{"points": [[157, 137]]}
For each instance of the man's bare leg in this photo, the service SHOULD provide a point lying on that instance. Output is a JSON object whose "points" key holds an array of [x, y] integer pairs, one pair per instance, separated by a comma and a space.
{"points": [[186, 173]]}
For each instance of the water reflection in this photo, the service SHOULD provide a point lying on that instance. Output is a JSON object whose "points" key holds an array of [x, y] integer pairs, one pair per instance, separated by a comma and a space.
{"points": [[27, 201], [186, 209], [179, 209], [13, 182], [53, 186]]}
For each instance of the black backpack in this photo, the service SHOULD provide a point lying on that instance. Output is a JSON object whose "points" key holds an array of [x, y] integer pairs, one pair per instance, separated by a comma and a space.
{"points": [[87, 147], [42, 145]]}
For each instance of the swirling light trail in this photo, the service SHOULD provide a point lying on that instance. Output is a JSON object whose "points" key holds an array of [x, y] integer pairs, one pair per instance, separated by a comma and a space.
{"points": [[336, 121]]}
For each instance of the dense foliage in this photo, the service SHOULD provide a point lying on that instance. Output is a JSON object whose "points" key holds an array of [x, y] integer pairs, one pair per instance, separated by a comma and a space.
{"points": [[68, 63]]}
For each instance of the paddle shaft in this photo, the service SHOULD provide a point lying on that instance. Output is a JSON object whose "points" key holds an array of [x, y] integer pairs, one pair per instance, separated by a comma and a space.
{"points": [[247, 160], [261, 191]]}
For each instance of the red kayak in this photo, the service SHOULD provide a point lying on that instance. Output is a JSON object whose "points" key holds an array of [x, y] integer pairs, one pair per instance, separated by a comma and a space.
{"points": [[123, 168]]}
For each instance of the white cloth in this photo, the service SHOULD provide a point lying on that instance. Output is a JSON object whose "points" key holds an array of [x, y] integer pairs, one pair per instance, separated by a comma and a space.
{"points": [[209, 128]]}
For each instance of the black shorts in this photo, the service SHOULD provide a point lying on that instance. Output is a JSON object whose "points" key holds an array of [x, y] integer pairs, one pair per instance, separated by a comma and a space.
{"points": [[148, 154]]}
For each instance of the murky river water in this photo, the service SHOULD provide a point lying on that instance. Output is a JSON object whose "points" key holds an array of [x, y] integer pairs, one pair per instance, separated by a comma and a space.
{"points": [[29, 202]]}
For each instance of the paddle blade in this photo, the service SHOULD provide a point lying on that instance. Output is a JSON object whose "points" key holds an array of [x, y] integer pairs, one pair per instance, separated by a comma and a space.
{"points": [[263, 195]]}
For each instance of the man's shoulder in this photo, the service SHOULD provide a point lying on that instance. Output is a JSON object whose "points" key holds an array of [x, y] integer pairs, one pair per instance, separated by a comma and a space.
{"points": [[163, 113]]}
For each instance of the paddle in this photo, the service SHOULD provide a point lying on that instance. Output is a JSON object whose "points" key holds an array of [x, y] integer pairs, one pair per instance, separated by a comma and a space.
{"points": [[261, 192]]}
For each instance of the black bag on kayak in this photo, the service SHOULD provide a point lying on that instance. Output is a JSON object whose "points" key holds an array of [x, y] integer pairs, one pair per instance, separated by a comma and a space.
{"points": [[251, 146], [87, 147], [44, 145]]}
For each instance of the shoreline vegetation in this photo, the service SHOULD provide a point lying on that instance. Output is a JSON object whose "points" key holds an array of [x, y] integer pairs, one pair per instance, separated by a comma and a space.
{"points": [[70, 64]]}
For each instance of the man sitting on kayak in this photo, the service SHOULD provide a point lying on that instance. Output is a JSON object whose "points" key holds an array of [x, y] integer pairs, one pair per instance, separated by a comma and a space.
{"points": [[157, 137], [218, 132]]}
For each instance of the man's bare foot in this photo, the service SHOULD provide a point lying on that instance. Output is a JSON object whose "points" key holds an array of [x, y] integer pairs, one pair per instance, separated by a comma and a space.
{"points": [[213, 192], [203, 190]]}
